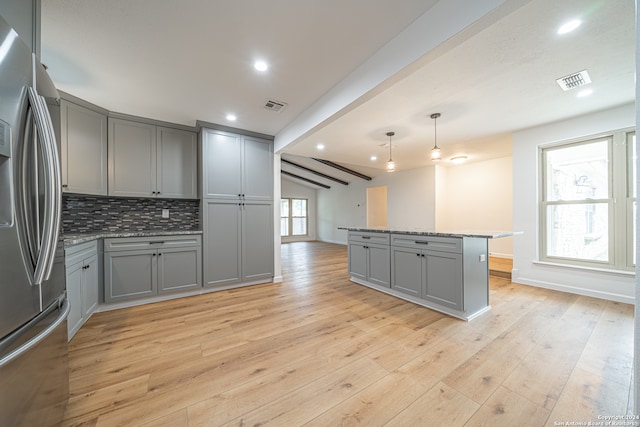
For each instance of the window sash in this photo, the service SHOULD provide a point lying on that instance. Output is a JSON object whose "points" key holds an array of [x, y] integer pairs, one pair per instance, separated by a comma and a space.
{"points": [[290, 223], [619, 205]]}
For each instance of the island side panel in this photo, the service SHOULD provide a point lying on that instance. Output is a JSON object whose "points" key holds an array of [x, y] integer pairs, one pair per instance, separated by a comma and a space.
{"points": [[476, 273]]}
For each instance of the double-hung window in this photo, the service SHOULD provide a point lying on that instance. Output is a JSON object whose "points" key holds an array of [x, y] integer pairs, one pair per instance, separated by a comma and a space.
{"points": [[587, 207], [294, 217]]}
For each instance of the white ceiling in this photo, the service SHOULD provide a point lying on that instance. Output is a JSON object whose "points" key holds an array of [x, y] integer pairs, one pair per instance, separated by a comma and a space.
{"points": [[192, 60]]}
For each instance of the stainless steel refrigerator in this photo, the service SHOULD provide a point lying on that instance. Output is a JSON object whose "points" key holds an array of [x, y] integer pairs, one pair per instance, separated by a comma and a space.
{"points": [[34, 379]]}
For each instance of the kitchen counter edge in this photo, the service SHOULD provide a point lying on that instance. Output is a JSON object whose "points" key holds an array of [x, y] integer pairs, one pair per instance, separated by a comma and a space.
{"points": [[77, 238], [481, 234]]}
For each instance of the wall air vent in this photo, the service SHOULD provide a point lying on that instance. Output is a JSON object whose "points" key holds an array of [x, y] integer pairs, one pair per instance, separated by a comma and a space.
{"points": [[574, 80], [274, 105]]}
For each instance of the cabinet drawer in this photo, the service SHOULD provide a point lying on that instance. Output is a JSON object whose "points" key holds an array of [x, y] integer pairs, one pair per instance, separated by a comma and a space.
{"points": [[373, 238], [77, 253], [157, 242], [433, 243]]}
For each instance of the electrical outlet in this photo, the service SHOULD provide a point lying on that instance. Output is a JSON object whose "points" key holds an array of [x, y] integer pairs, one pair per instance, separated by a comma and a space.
{"points": [[165, 213]]}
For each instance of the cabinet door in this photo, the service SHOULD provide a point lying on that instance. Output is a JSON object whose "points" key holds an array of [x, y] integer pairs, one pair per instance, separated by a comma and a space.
{"points": [[83, 135], [378, 270], [406, 271], [221, 164], [179, 270], [358, 261], [221, 229], [90, 283], [257, 169], [132, 158], [257, 241], [176, 164], [443, 284], [129, 275], [74, 293]]}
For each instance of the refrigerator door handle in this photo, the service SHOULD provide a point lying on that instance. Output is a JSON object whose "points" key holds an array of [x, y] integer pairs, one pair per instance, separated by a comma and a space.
{"points": [[64, 312], [53, 183]]}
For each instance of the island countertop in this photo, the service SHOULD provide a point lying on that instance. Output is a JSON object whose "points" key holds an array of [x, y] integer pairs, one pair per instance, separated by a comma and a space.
{"points": [[486, 234]]}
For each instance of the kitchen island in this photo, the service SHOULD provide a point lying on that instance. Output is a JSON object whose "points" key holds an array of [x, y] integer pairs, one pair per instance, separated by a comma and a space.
{"points": [[447, 271]]}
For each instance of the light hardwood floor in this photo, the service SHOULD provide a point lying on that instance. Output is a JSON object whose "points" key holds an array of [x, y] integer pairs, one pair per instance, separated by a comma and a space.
{"points": [[319, 350]]}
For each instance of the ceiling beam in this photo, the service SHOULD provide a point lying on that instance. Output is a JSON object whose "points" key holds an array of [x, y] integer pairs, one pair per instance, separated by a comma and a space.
{"points": [[314, 172], [310, 181], [343, 169]]}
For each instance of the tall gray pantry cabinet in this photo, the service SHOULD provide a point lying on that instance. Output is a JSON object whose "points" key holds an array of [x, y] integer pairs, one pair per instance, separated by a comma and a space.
{"points": [[237, 208]]}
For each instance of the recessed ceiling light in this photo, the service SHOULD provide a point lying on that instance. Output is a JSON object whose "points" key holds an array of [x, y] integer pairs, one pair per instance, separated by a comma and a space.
{"points": [[458, 159], [260, 66], [569, 26], [320, 146], [374, 158], [585, 92], [231, 117]]}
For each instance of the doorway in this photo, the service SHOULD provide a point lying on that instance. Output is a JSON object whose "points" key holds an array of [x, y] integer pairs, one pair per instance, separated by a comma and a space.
{"points": [[377, 206]]}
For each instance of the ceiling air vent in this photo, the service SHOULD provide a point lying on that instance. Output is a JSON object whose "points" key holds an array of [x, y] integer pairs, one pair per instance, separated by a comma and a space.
{"points": [[273, 105], [574, 80]]}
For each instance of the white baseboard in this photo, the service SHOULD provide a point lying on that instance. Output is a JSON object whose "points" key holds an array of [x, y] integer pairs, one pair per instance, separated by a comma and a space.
{"points": [[499, 255], [626, 299], [334, 242]]}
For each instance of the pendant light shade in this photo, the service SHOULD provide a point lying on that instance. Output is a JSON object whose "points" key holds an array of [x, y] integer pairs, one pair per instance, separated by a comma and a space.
{"points": [[435, 151], [391, 165]]}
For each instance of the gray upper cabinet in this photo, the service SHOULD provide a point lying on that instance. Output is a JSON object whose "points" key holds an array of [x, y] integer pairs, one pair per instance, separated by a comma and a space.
{"points": [[83, 141], [146, 160], [222, 160], [132, 158], [177, 159], [236, 166], [257, 171]]}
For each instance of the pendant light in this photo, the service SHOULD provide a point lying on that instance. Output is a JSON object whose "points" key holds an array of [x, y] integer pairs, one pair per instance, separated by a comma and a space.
{"points": [[391, 165], [435, 151]]}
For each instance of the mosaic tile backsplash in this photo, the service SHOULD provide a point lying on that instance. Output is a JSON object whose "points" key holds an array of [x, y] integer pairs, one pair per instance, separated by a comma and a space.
{"points": [[88, 214]]}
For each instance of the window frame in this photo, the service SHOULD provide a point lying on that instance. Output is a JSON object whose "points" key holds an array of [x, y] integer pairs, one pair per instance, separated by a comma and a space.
{"points": [[620, 215], [290, 217]]}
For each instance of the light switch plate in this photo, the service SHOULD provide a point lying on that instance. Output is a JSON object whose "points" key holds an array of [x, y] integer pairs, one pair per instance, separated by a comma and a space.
{"points": [[483, 258], [165, 213]]}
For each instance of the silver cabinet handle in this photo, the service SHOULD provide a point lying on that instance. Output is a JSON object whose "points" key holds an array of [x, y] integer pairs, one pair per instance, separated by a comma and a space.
{"points": [[53, 183], [42, 335]]}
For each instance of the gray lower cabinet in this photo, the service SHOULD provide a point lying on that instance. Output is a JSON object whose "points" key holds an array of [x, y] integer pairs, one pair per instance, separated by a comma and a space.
{"points": [[141, 267], [83, 282], [433, 274], [449, 274], [443, 278], [238, 240], [407, 271], [369, 257]]}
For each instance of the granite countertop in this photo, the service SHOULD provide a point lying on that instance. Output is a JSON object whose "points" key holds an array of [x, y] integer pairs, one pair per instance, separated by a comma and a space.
{"points": [[76, 238], [487, 234]]}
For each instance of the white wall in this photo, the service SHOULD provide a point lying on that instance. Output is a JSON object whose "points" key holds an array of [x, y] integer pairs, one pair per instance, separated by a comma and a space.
{"points": [[609, 285], [410, 201], [290, 189], [477, 197]]}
